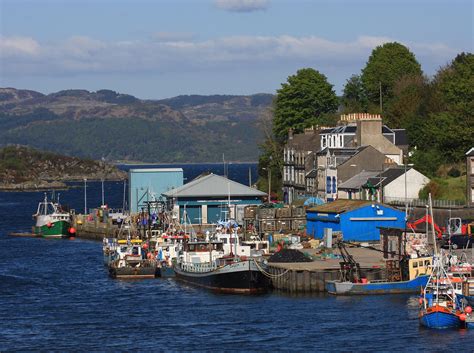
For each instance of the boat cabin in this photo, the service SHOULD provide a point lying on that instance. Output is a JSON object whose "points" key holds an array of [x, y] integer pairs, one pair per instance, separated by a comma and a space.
{"points": [[419, 266], [202, 251]]}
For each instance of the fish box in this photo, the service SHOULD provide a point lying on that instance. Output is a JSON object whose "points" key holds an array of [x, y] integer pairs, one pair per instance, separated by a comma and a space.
{"points": [[284, 212], [266, 213]]}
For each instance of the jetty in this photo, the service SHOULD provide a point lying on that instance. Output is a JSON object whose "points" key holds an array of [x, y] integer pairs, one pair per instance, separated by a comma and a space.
{"points": [[311, 277]]}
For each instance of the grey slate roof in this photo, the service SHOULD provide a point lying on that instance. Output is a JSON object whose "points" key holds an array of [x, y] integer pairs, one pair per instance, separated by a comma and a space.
{"points": [[305, 141], [401, 138], [357, 180], [387, 176], [213, 185]]}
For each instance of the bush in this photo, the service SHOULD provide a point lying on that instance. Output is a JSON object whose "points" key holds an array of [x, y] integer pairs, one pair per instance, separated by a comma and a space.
{"points": [[432, 187], [454, 172]]}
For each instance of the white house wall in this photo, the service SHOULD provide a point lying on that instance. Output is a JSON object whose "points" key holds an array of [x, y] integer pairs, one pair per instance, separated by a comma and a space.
{"points": [[415, 182]]}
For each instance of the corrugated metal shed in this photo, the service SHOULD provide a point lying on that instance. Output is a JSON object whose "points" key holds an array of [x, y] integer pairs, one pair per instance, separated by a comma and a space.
{"points": [[148, 184], [357, 220], [340, 206], [211, 186]]}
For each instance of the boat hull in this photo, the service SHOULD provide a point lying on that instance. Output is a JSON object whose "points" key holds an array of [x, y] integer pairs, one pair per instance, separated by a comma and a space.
{"points": [[58, 229], [165, 272], [349, 288], [238, 278], [132, 272], [469, 299], [440, 320]]}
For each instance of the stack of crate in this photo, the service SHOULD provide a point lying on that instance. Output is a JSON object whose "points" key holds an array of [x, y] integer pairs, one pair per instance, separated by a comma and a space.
{"points": [[266, 217], [283, 222], [298, 215]]}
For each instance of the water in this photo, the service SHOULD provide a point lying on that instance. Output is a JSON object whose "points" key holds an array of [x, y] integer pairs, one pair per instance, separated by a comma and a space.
{"points": [[56, 295]]}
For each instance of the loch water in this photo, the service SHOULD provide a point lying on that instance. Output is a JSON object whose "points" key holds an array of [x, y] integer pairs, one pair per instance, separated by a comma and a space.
{"points": [[55, 295]]}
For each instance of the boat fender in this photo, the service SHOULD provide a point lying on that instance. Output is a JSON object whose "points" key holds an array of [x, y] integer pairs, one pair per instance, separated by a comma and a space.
{"points": [[462, 317]]}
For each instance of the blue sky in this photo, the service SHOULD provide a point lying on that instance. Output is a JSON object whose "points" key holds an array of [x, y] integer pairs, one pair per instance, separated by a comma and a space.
{"points": [[159, 49]]}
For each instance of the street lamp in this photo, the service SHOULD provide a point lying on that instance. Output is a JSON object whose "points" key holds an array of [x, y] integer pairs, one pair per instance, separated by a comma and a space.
{"points": [[85, 196], [405, 160], [269, 178]]}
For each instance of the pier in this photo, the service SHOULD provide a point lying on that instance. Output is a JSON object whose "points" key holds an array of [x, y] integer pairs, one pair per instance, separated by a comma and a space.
{"points": [[311, 277]]}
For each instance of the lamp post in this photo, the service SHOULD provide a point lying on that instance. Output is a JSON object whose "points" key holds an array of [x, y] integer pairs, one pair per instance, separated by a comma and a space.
{"points": [[103, 202], [405, 160], [85, 196], [269, 178]]}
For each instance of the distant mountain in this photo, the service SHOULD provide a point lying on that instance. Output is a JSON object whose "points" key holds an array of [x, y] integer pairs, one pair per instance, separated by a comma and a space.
{"points": [[122, 127]]}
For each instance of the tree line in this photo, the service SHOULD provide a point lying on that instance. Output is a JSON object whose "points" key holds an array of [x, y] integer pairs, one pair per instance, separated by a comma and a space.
{"points": [[436, 111]]}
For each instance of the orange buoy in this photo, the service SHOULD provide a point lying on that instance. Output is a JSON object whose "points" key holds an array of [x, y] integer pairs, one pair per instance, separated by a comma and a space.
{"points": [[462, 317], [72, 230], [49, 224], [468, 309]]}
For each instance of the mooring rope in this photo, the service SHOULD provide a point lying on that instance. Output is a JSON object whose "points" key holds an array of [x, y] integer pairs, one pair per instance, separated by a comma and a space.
{"points": [[268, 274]]}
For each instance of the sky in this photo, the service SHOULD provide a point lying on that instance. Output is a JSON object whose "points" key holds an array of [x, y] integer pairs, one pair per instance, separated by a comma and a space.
{"points": [[159, 49]]}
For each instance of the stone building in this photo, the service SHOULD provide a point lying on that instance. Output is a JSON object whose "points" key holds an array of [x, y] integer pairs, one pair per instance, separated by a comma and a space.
{"points": [[297, 162]]}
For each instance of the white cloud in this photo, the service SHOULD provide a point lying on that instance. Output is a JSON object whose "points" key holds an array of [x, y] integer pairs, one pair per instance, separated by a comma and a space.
{"points": [[242, 5], [21, 56], [17, 46], [172, 36]]}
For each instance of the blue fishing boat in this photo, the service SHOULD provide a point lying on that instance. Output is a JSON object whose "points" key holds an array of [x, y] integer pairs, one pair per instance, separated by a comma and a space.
{"points": [[377, 287], [407, 275], [439, 306]]}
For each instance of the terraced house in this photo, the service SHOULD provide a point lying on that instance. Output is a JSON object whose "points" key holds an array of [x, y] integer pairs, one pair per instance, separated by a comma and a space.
{"points": [[318, 160]]}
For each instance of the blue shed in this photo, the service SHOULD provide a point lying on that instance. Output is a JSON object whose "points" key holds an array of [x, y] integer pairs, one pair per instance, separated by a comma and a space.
{"points": [[357, 220], [148, 185]]}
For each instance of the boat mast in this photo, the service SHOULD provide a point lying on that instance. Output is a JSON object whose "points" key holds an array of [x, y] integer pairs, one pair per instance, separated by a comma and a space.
{"points": [[432, 224]]}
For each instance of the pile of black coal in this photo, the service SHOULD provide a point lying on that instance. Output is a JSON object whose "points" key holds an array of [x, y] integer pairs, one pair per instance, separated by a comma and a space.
{"points": [[289, 255]]}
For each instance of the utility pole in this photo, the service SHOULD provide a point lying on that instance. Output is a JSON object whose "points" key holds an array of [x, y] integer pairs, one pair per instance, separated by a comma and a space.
{"points": [[269, 184], [380, 97]]}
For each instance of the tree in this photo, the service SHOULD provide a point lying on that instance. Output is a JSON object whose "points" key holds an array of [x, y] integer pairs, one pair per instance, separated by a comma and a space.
{"points": [[354, 98], [303, 101], [410, 95], [387, 64], [443, 130]]}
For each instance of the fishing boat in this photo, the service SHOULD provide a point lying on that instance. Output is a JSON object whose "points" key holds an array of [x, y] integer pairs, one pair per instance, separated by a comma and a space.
{"points": [[131, 261], [412, 274], [204, 264], [52, 221], [439, 305]]}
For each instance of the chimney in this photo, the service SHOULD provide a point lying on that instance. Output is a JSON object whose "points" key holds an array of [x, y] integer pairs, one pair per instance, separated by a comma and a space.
{"points": [[367, 129], [290, 133]]}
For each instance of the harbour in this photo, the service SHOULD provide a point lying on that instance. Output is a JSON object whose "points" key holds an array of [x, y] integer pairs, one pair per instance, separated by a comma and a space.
{"points": [[77, 278]]}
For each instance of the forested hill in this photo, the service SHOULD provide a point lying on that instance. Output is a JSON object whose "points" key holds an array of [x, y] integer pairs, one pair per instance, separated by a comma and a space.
{"points": [[114, 126], [23, 167]]}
